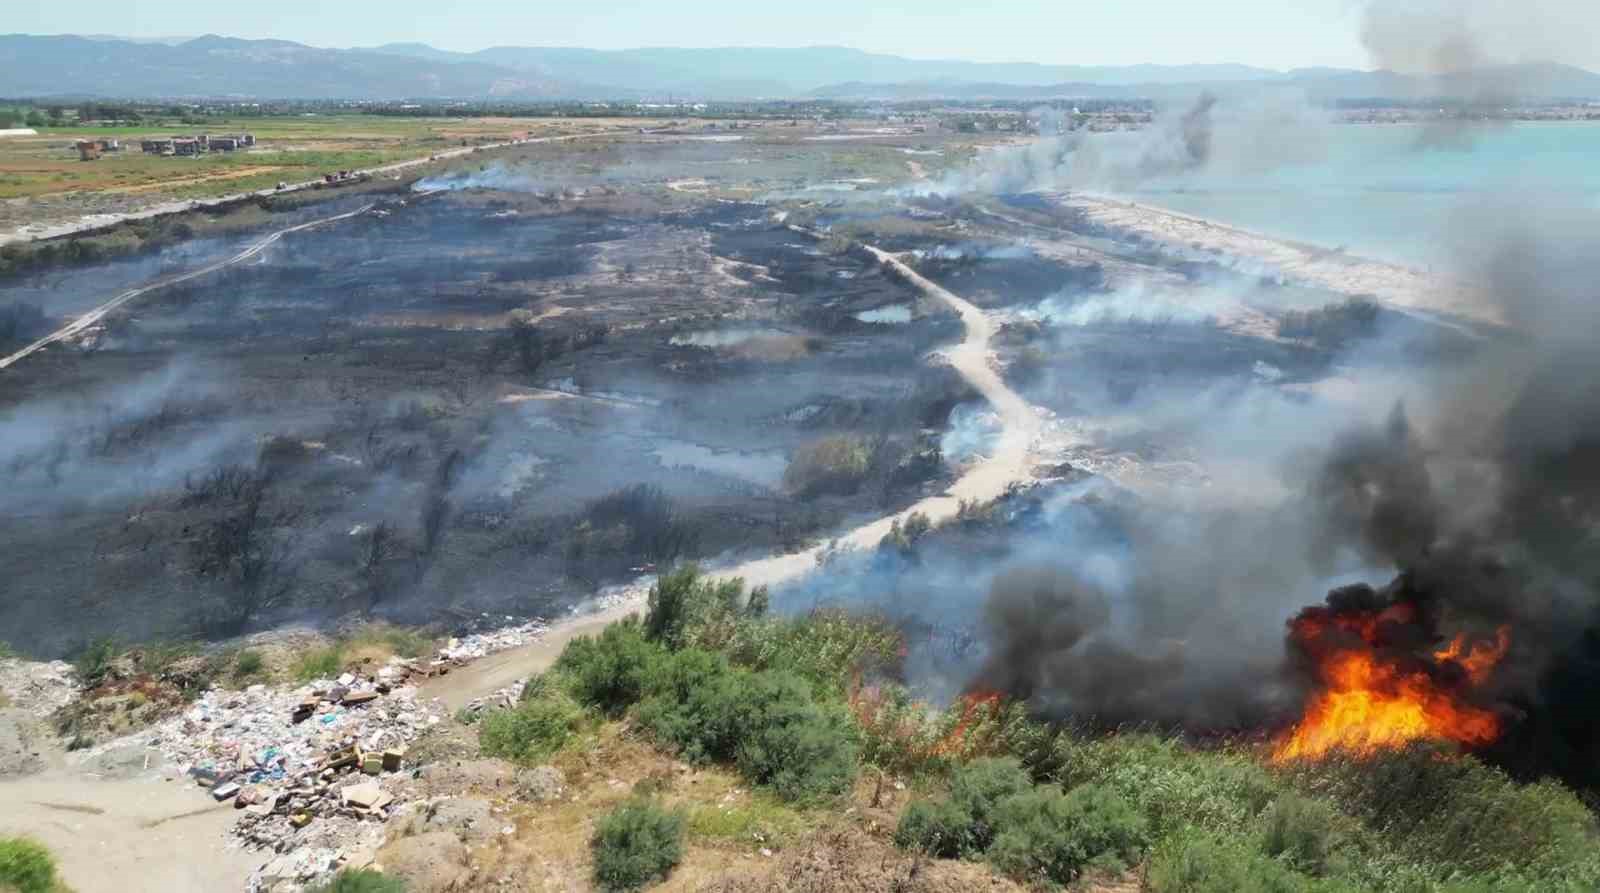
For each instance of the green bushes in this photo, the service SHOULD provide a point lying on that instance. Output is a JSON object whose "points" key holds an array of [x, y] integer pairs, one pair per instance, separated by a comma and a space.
{"points": [[800, 748], [694, 707], [829, 648], [612, 672], [1433, 807], [769, 724], [93, 663], [1194, 861], [682, 603], [319, 663], [1172, 785], [25, 866], [361, 880], [248, 663], [636, 844], [836, 464], [1037, 835], [1046, 836], [531, 731], [963, 824], [1307, 834]]}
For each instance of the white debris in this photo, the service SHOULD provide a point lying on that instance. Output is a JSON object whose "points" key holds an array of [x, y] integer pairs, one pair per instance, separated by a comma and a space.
{"points": [[39, 688]]}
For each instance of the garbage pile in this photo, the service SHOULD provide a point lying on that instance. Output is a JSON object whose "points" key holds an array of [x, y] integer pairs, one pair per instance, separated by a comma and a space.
{"points": [[481, 644], [505, 698]]}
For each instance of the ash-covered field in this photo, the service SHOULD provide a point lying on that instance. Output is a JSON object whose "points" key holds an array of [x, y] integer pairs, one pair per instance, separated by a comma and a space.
{"points": [[568, 366], [459, 403]]}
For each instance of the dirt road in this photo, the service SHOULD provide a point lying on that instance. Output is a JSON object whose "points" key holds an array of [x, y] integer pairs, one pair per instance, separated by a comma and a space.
{"points": [[83, 322], [115, 836], [985, 480]]}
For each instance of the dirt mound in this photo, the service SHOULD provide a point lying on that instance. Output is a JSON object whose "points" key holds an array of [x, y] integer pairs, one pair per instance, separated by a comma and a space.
{"points": [[435, 862]]}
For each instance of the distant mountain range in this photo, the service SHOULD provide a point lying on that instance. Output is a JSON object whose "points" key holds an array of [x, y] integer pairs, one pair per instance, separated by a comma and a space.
{"points": [[224, 67]]}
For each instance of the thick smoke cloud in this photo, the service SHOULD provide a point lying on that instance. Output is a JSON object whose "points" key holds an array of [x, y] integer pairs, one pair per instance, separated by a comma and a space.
{"points": [[1242, 135], [1451, 36], [1479, 53]]}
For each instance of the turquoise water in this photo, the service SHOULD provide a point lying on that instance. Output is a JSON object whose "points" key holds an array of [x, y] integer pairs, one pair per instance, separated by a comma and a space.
{"points": [[1374, 191]]}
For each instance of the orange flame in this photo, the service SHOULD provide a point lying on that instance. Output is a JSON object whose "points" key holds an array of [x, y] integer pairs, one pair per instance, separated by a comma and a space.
{"points": [[1479, 660], [1371, 702], [974, 706]]}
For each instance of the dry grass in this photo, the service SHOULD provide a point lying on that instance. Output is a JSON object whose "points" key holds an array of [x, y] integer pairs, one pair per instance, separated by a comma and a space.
{"points": [[738, 840]]}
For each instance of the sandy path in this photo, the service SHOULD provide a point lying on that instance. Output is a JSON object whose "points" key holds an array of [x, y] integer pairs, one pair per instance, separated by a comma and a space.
{"points": [[77, 326], [985, 480], [142, 836], [1394, 284]]}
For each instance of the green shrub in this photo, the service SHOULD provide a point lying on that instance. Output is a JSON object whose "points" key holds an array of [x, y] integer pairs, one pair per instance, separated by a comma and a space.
{"points": [[94, 662], [768, 724], [636, 844], [1437, 807], [694, 708], [159, 657], [1045, 836], [531, 731], [320, 663], [26, 866], [830, 648], [404, 642], [836, 464], [936, 827], [248, 663], [361, 880], [800, 748], [963, 824], [1171, 784], [1192, 861], [979, 788], [682, 600], [611, 672], [1305, 833]]}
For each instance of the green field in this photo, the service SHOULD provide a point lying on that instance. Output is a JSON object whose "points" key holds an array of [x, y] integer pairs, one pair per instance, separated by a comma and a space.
{"points": [[289, 149]]}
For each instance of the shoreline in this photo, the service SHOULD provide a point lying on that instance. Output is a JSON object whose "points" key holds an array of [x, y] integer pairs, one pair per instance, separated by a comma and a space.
{"points": [[1398, 285]]}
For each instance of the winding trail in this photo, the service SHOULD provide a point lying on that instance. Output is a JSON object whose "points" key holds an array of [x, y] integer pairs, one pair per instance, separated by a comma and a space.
{"points": [[985, 480], [82, 323]]}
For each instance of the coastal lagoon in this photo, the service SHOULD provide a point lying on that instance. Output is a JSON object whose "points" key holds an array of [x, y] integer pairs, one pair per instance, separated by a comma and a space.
{"points": [[1394, 192]]}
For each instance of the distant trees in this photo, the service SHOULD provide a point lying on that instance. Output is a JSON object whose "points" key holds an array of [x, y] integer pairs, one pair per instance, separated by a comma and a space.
{"points": [[1332, 326], [836, 464]]}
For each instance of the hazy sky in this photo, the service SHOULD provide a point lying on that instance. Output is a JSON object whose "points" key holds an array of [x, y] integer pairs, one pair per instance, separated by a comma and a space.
{"points": [[1271, 33]]}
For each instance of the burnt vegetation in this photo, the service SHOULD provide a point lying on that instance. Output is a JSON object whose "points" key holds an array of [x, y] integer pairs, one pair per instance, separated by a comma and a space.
{"points": [[374, 419]]}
